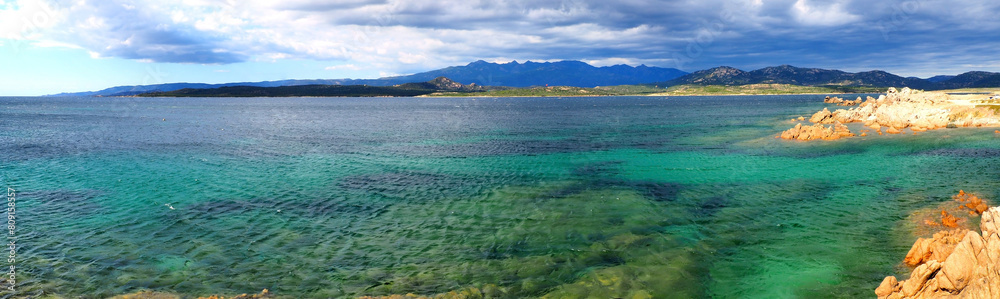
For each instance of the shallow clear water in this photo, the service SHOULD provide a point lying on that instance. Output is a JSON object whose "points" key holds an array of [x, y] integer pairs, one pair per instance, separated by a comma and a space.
{"points": [[605, 197]]}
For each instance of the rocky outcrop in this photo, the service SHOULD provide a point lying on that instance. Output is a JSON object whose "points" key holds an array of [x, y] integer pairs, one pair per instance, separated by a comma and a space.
{"points": [[898, 110], [969, 269], [817, 131], [842, 102], [822, 117], [936, 248], [857, 101]]}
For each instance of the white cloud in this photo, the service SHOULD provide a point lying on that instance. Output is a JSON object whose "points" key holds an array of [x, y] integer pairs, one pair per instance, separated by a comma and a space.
{"points": [[55, 44], [29, 20], [343, 67], [830, 15], [611, 61], [94, 23]]}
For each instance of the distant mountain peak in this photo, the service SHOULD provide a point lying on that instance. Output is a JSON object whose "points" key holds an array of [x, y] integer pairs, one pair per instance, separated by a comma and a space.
{"points": [[446, 84], [723, 68], [566, 73]]}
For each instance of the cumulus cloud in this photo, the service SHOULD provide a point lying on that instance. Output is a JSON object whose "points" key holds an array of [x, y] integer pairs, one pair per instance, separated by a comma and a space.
{"points": [[125, 30]]}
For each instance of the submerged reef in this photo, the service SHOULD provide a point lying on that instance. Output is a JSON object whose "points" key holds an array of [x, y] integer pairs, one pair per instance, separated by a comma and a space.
{"points": [[896, 111], [957, 263], [486, 291], [147, 294]]}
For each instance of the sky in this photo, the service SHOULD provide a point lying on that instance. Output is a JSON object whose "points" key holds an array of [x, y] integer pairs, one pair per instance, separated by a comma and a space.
{"points": [[52, 46]]}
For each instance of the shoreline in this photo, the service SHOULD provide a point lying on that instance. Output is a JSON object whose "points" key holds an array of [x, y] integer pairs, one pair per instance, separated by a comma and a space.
{"points": [[950, 92]]}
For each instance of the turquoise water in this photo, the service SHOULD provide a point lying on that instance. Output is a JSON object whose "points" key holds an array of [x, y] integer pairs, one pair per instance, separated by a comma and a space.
{"points": [[680, 197]]}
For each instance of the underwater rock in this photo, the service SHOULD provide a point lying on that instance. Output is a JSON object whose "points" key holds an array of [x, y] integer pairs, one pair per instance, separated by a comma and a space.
{"points": [[973, 203], [971, 270], [487, 291], [948, 220], [263, 294], [957, 213], [147, 294]]}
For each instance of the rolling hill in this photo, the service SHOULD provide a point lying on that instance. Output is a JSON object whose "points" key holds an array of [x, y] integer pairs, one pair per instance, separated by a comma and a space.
{"points": [[440, 84]]}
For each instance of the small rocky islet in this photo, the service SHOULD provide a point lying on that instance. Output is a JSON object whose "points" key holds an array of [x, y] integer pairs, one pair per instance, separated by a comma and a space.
{"points": [[896, 111]]}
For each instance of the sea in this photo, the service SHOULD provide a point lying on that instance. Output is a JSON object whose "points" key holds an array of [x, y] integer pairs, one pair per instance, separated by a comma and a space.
{"points": [[576, 197]]}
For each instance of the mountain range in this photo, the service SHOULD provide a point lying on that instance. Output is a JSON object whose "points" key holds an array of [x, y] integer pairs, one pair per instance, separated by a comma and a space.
{"points": [[580, 74], [786, 74], [482, 73]]}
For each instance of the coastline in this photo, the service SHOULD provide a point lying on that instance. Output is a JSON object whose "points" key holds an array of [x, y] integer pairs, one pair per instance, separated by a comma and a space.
{"points": [[898, 111]]}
